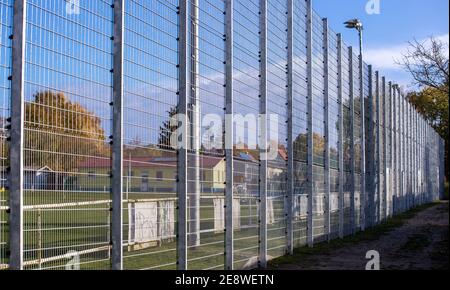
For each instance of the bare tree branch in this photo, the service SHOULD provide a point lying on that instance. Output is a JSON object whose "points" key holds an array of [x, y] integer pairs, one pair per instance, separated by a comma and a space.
{"points": [[427, 62]]}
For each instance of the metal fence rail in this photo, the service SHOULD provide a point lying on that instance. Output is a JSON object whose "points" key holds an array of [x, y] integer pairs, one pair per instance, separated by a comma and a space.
{"points": [[194, 134]]}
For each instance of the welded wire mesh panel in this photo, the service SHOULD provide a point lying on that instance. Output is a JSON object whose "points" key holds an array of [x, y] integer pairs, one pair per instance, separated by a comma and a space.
{"points": [[206, 159], [68, 90], [5, 101], [347, 139], [150, 160], [370, 143], [334, 203], [300, 124], [357, 121], [318, 128], [442, 165], [246, 109], [434, 165], [333, 129], [277, 132], [428, 163]]}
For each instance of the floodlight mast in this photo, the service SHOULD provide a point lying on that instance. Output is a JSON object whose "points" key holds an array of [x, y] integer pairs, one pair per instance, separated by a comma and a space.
{"points": [[357, 24]]}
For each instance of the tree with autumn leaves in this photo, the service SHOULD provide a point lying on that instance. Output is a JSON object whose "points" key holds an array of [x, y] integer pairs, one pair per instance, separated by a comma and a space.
{"points": [[427, 62], [61, 134]]}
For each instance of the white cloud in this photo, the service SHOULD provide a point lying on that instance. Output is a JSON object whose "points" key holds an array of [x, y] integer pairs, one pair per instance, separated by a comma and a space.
{"points": [[386, 57]]}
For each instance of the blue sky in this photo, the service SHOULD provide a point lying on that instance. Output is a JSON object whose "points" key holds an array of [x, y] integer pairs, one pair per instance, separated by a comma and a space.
{"points": [[386, 34]]}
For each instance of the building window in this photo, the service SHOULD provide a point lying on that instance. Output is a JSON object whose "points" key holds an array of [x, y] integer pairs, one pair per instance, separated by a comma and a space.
{"points": [[144, 182], [159, 175]]}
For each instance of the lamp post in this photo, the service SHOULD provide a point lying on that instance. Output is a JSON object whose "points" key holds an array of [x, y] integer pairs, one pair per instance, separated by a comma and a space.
{"points": [[357, 24]]}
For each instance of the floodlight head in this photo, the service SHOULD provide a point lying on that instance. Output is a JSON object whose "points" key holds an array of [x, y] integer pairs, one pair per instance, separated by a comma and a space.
{"points": [[354, 23]]}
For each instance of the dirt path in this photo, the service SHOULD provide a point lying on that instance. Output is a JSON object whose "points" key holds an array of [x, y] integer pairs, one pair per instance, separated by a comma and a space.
{"points": [[420, 243]]}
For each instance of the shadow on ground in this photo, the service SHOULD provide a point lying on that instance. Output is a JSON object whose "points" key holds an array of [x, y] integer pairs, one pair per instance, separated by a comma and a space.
{"points": [[415, 240]]}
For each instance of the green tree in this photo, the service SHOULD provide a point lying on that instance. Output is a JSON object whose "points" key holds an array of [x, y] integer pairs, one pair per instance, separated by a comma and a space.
{"points": [[433, 105]]}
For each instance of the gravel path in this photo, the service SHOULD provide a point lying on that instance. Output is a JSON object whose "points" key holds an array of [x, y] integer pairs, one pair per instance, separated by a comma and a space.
{"points": [[421, 243]]}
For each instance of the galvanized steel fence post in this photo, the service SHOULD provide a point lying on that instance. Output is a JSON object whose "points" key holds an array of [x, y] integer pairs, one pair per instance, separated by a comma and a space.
{"points": [[363, 191], [395, 153], [378, 158], [310, 181], [183, 93], [385, 144], [263, 136], [327, 219], [410, 158], [229, 135], [416, 159], [391, 151], [369, 193], [443, 142], [16, 152], [402, 150], [341, 139], [352, 143], [117, 138], [290, 137]]}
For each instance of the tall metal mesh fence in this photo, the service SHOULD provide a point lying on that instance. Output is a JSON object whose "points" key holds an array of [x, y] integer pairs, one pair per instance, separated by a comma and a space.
{"points": [[306, 87]]}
